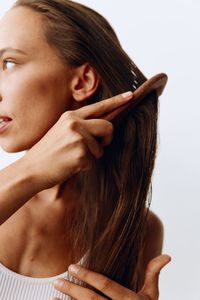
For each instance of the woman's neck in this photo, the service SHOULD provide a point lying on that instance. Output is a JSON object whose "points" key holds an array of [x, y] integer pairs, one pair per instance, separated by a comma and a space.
{"points": [[65, 191], [41, 244]]}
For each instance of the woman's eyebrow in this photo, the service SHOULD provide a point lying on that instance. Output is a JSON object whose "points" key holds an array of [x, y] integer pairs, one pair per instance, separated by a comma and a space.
{"points": [[10, 49]]}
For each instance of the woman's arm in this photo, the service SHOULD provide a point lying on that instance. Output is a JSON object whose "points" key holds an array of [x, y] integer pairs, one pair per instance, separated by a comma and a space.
{"points": [[66, 149], [17, 185]]}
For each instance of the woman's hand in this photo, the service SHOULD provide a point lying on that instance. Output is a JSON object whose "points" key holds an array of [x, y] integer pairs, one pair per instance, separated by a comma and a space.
{"points": [[71, 145], [110, 288]]}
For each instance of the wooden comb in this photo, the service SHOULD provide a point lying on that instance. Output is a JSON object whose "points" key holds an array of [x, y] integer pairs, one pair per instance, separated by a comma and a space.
{"points": [[156, 83]]}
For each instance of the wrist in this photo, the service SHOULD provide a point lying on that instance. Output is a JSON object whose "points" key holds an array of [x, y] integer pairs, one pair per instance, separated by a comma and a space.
{"points": [[29, 175]]}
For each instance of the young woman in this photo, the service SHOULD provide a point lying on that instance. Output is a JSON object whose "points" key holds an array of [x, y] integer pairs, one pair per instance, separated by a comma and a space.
{"points": [[79, 194]]}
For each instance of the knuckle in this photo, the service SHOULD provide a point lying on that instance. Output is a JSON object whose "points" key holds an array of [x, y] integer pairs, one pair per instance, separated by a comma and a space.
{"points": [[93, 296], [83, 273], [68, 287], [71, 120], [67, 114], [72, 123], [106, 285]]}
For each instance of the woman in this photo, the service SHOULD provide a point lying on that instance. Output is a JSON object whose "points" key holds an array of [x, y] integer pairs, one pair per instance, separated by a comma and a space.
{"points": [[80, 192]]}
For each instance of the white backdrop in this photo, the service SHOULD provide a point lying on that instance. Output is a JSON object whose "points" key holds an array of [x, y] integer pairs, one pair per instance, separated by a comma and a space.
{"points": [[163, 36]]}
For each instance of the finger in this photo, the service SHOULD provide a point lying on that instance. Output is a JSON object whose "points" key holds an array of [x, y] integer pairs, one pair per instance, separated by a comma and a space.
{"points": [[111, 116], [100, 108], [105, 285], [90, 130], [93, 146], [100, 128], [154, 267], [76, 291]]}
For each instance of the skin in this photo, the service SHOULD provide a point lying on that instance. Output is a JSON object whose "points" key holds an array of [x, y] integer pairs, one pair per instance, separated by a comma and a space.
{"points": [[110, 288], [29, 94], [30, 82]]}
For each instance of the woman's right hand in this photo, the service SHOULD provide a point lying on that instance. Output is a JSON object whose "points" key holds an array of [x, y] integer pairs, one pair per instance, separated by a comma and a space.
{"points": [[71, 145]]}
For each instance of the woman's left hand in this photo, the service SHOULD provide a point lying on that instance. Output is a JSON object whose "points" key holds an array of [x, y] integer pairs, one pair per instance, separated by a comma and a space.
{"points": [[110, 288]]}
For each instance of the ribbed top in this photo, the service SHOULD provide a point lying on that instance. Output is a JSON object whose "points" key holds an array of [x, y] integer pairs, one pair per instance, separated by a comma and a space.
{"points": [[14, 286]]}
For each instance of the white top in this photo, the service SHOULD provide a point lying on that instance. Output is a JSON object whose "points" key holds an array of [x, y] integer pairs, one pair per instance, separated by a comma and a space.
{"points": [[14, 286]]}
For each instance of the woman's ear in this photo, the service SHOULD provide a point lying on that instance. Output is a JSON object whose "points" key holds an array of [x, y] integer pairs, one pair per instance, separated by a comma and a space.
{"points": [[84, 82]]}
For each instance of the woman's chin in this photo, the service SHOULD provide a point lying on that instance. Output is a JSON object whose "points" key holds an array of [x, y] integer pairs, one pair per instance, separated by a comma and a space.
{"points": [[13, 148]]}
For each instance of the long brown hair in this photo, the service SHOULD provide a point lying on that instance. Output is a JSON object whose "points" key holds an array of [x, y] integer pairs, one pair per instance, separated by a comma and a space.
{"points": [[116, 192]]}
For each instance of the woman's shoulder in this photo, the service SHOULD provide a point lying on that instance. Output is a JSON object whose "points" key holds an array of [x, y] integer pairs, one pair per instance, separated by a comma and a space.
{"points": [[153, 243], [154, 225], [153, 239]]}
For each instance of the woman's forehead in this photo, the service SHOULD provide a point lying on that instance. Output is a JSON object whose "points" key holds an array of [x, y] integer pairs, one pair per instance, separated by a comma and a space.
{"points": [[21, 28]]}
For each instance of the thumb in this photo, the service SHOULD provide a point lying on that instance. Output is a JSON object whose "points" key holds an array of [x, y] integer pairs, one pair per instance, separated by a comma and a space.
{"points": [[150, 287]]}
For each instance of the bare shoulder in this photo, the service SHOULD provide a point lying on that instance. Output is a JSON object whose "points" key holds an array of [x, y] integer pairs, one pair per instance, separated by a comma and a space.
{"points": [[154, 229], [153, 239], [153, 243]]}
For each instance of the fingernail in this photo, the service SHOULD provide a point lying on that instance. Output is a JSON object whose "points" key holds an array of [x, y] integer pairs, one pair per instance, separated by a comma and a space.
{"points": [[58, 283], [127, 94], [74, 268]]}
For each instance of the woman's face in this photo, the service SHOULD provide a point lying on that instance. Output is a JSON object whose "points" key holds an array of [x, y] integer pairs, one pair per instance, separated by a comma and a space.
{"points": [[34, 85]]}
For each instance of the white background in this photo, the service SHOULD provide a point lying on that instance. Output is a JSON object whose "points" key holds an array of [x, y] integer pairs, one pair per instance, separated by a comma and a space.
{"points": [[163, 36]]}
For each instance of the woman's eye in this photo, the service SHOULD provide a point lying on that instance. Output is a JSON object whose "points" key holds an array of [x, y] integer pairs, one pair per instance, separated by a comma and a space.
{"points": [[8, 64]]}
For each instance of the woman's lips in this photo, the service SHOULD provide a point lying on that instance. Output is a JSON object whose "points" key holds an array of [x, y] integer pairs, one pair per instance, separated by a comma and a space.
{"points": [[5, 118], [4, 123]]}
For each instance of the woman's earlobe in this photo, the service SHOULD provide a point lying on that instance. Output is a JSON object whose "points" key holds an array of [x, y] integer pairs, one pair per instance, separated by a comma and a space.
{"points": [[84, 83]]}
